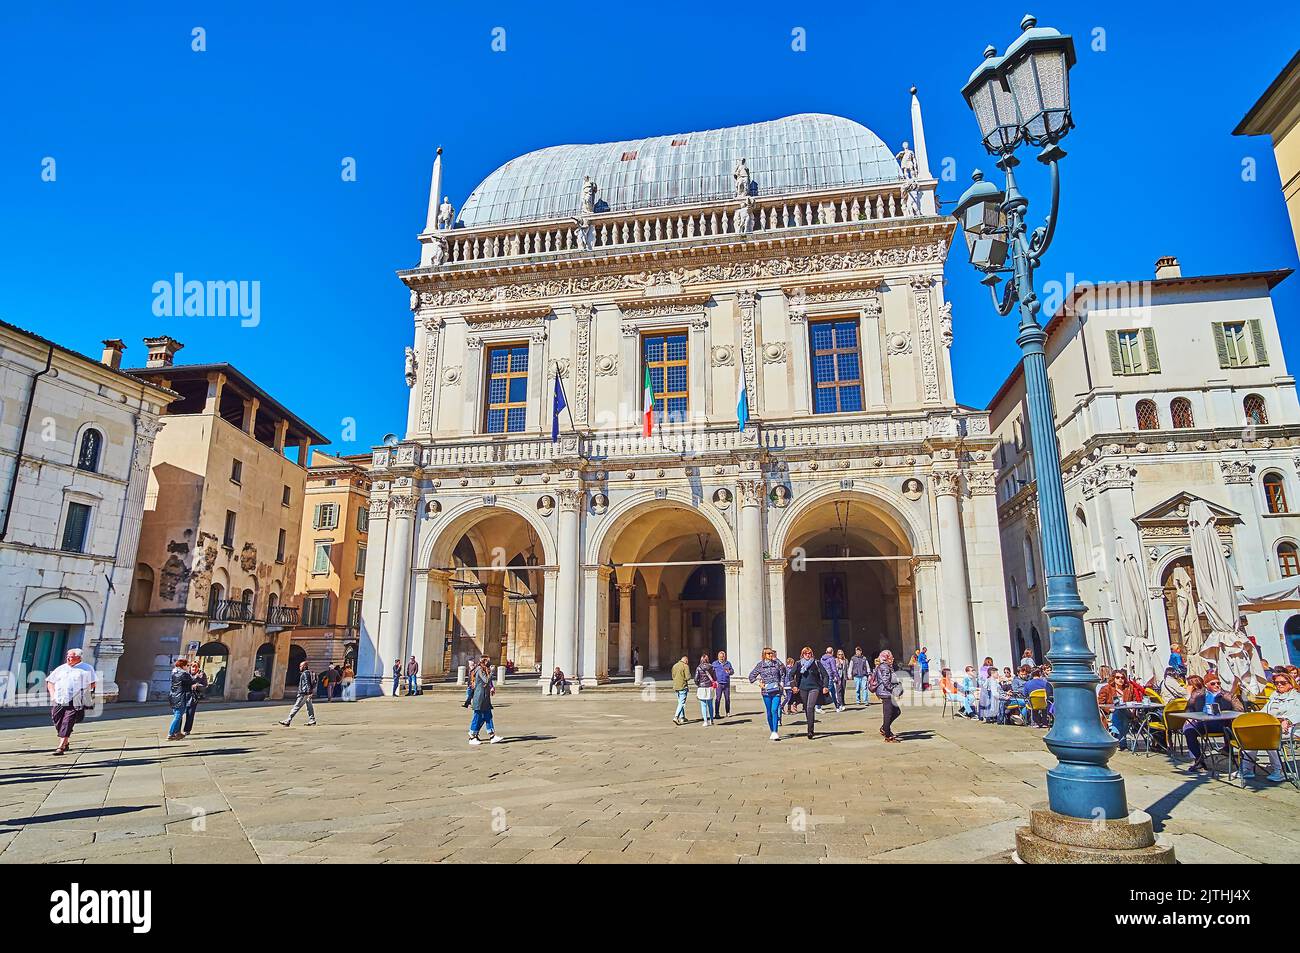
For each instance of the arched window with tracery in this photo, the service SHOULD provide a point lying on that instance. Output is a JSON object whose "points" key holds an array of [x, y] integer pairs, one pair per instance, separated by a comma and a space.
{"points": [[92, 442], [1180, 412], [1275, 492], [1147, 415], [1288, 559], [1256, 412]]}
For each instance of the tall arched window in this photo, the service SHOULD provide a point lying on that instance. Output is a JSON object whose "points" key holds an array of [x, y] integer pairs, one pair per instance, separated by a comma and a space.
{"points": [[92, 441], [1031, 577], [1013, 591], [1256, 412], [1275, 492], [215, 595], [1180, 412], [1148, 416], [1288, 559]]}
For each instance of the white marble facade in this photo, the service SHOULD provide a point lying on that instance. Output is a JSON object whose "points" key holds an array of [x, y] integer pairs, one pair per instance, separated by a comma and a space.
{"points": [[874, 526], [76, 439], [1164, 391]]}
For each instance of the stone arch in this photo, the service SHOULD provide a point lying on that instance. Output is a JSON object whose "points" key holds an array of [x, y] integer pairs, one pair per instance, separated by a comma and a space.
{"points": [[622, 515], [895, 505], [439, 538], [62, 607]]}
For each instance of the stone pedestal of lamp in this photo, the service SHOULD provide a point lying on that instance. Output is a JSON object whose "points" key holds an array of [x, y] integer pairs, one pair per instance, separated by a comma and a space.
{"points": [[1053, 838]]}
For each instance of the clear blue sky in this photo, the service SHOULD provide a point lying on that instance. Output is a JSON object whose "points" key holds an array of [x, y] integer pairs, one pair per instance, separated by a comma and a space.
{"points": [[225, 164]]}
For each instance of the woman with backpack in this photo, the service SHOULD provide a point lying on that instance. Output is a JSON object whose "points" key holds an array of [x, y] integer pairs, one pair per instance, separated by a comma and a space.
{"points": [[882, 686], [706, 688]]}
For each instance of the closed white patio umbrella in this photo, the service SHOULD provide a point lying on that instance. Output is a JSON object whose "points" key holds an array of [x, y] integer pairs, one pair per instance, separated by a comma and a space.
{"points": [[1140, 653], [1227, 648]]}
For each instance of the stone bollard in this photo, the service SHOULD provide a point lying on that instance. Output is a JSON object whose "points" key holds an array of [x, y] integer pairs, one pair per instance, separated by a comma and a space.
{"points": [[501, 676], [575, 686], [462, 673], [638, 674]]}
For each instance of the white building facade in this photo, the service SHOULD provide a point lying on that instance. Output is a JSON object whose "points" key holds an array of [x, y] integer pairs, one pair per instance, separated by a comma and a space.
{"points": [[799, 261], [76, 439], [1164, 391]]}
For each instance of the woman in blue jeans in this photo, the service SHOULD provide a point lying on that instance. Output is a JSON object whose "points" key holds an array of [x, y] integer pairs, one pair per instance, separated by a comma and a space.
{"points": [[771, 674]]}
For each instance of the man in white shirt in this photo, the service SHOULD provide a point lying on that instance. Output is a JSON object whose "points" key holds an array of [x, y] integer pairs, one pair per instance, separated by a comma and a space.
{"points": [[71, 688]]}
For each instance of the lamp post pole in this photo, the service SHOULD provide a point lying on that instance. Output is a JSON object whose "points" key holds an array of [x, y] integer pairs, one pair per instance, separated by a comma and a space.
{"points": [[1081, 785]]}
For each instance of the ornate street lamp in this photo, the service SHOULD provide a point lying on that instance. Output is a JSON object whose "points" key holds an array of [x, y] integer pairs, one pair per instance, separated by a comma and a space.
{"points": [[1023, 97]]}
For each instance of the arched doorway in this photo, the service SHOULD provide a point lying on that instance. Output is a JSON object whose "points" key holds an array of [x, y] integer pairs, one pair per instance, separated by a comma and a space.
{"points": [[666, 588], [1038, 644], [1292, 632], [486, 592], [1185, 624], [264, 661], [849, 581], [214, 659], [297, 655]]}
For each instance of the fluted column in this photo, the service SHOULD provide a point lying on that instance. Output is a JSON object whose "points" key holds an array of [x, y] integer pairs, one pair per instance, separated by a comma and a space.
{"points": [[566, 585], [397, 577], [959, 637], [753, 573], [625, 591]]}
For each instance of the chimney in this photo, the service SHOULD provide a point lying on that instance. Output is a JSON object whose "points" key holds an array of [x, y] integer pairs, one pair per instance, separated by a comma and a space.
{"points": [[112, 357], [161, 351], [1168, 267]]}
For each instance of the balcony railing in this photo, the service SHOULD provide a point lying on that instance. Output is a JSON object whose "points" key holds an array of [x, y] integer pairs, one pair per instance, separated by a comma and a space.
{"points": [[885, 202], [282, 616], [684, 440], [230, 610]]}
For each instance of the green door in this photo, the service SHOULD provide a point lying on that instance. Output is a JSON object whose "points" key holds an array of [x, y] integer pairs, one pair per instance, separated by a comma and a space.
{"points": [[45, 647]]}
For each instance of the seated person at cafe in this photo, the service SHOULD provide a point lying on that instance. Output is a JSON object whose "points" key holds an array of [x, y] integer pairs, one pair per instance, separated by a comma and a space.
{"points": [[1284, 705], [1119, 690], [1171, 686], [1037, 682], [953, 692], [1209, 699]]}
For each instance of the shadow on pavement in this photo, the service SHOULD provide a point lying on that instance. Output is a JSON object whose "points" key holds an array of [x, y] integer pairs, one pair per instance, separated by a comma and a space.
{"points": [[75, 815]]}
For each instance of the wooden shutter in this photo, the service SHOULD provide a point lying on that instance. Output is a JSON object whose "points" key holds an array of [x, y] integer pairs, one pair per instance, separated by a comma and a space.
{"points": [[1221, 344], [1112, 344], [1149, 346], [1257, 339], [315, 516]]}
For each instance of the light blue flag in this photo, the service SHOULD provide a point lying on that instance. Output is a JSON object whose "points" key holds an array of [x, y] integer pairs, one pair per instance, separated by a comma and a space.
{"points": [[742, 404]]}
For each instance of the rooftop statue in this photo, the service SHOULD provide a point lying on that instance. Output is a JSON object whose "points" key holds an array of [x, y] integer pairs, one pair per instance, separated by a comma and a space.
{"points": [[446, 214], [740, 175], [907, 163], [439, 250], [589, 190], [410, 367]]}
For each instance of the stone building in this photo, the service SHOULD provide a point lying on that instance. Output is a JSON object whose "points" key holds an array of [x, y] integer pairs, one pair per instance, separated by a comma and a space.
{"points": [[1164, 391], [76, 437], [331, 562], [218, 552], [797, 261]]}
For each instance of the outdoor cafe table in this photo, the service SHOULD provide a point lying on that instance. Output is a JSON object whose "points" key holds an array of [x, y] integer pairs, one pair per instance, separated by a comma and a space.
{"points": [[1139, 726], [1214, 725]]}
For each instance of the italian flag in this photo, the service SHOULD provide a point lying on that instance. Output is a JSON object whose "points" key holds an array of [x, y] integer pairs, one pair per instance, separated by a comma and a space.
{"points": [[648, 407]]}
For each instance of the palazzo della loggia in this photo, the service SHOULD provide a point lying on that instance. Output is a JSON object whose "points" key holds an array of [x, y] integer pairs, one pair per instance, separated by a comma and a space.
{"points": [[757, 443]]}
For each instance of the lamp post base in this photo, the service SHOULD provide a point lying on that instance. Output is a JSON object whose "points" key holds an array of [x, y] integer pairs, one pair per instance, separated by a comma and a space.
{"points": [[1053, 838]]}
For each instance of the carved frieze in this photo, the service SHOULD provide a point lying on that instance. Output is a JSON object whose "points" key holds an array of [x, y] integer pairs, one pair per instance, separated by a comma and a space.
{"points": [[582, 385], [929, 356]]}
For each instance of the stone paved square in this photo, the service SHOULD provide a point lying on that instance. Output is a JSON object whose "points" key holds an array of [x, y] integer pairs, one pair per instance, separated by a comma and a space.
{"points": [[601, 778]]}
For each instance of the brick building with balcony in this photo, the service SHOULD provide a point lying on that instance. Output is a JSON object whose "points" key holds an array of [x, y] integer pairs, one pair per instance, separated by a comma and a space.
{"points": [[216, 568]]}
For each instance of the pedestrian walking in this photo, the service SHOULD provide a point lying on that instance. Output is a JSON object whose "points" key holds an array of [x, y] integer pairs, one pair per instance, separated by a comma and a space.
{"points": [[483, 682], [859, 670], [811, 681], [841, 678], [923, 660], [722, 672], [884, 685], [636, 657], [306, 687], [198, 685], [397, 676], [706, 688], [770, 674], [178, 696], [71, 688], [336, 679], [681, 685], [787, 686], [828, 666], [412, 677]]}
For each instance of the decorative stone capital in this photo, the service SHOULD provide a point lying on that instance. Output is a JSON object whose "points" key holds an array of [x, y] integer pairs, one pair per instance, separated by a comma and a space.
{"points": [[920, 283], [571, 500], [403, 505], [982, 482], [751, 492], [432, 323], [946, 482], [746, 299], [626, 589], [1236, 471]]}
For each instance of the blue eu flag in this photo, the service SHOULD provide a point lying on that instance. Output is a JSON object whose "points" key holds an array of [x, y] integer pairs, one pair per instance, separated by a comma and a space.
{"points": [[560, 404]]}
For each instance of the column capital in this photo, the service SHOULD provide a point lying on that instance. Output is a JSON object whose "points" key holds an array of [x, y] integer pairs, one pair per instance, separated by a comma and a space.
{"points": [[752, 492], [946, 482], [626, 589], [403, 505]]}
